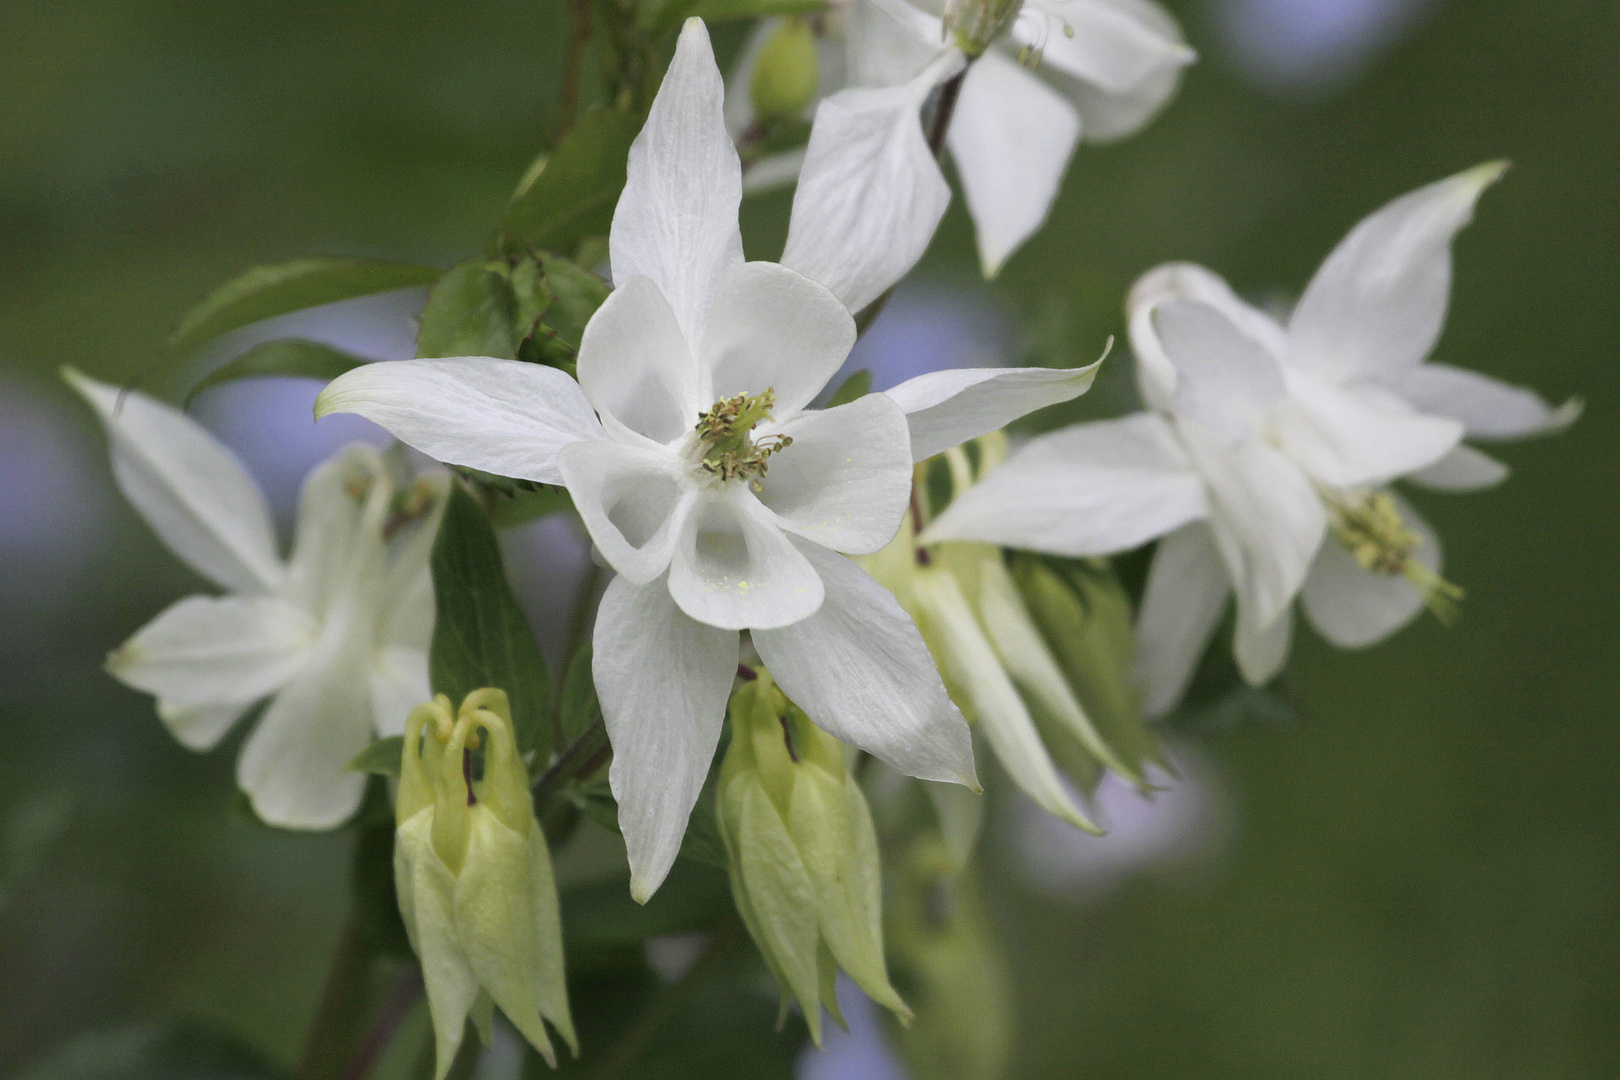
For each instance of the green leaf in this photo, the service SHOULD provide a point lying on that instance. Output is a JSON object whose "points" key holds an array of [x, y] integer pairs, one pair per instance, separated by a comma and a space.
{"points": [[576, 293], [267, 291], [574, 194], [858, 385], [719, 10], [376, 904], [470, 312], [291, 357], [518, 507], [577, 706], [481, 637], [381, 757], [600, 914], [184, 1050]]}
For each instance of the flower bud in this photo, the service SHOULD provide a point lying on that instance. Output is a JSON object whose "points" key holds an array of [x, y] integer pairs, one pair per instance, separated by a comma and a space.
{"points": [[802, 853], [786, 71], [474, 876], [974, 24], [946, 956]]}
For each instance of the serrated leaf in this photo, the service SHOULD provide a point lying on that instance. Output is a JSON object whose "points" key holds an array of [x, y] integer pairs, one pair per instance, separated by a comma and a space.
{"points": [[290, 357], [381, 757], [480, 635], [470, 312], [267, 291], [574, 194], [576, 293], [857, 386], [520, 507]]}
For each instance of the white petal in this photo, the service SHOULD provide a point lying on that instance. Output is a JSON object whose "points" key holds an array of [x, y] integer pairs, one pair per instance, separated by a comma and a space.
{"points": [[889, 42], [503, 416], [406, 616], [733, 567], [1464, 469], [1353, 607], [1261, 650], [976, 671], [947, 408], [1186, 591], [676, 221], [293, 765], [219, 652], [1011, 138], [633, 501], [773, 172], [1120, 65], [1267, 519], [1156, 376], [1112, 44], [859, 668], [1089, 489], [1345, 439], [845, 481], [635, 366], [771, 327], [1488, 408], [663, 680], [1378, 302], [192, 490], [1225, 379], [339, 546], [399, 683], [870, 194]]}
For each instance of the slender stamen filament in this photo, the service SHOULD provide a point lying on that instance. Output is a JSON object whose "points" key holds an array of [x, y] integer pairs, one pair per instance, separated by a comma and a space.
{"points": [[1369, 526], [729, 450]]}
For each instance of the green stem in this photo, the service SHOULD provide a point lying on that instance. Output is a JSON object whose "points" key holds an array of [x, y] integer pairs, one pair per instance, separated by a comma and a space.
{"points": [[344, 1005], [663, 1004]]}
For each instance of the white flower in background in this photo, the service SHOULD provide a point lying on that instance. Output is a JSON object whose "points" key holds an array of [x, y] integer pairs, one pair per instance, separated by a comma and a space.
{"points": [[1062, 71], [707, 483], [336, 637], [1261, 438]]}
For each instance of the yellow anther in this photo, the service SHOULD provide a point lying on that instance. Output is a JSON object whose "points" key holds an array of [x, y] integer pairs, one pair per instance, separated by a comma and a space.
{"points": [[729, 451], [1369, 525]]}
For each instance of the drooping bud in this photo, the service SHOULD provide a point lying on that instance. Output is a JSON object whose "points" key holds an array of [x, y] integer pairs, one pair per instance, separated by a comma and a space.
{"points": [[786, 71], [474, 876], [802, 853], [1084, 618], [946, 955], [974, 24]]}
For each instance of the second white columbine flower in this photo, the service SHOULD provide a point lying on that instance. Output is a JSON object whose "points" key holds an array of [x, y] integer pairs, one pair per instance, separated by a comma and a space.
{"points": [[724, 502]]}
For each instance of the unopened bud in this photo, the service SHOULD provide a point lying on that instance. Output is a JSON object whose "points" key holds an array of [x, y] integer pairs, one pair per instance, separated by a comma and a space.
{"points": [[786, 71], [474, 876], [802, 853], [1084, 617], [947, 957]]}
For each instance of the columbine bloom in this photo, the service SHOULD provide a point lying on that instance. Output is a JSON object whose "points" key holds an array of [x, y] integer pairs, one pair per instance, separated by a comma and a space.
{"points": [[1262, 439], [474, 879], [336, 637], [1000, 665], [705, 480], [1044, 74]]}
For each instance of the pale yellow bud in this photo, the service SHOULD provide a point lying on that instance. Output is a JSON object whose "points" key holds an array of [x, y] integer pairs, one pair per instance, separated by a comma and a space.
{"points": [[786, 71]]}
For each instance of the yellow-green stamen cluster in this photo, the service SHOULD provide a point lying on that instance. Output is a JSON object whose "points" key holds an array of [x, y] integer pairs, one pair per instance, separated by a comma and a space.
{"points": [[1369, 525], [729, 450], [974, 24]]}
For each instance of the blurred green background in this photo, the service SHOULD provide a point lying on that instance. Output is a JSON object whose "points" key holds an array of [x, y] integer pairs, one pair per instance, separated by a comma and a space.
{"points": [[1422, 876]]}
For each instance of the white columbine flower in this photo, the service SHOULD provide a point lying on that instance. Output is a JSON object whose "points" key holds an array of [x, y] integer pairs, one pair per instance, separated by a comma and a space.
{"points": [[336, 637], [1262, 438], [706, 481], [1062, 70]]}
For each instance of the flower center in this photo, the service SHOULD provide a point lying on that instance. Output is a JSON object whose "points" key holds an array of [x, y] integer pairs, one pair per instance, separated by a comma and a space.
{"points": [[974, 24], [1369, 525], [726, 448]]}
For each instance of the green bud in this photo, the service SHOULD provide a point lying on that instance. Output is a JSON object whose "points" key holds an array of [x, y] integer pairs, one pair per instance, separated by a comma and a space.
{"points": [[786, 71], [974, 24], [946, 956], [1084, 617], [474, 876], [802, 854]]}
